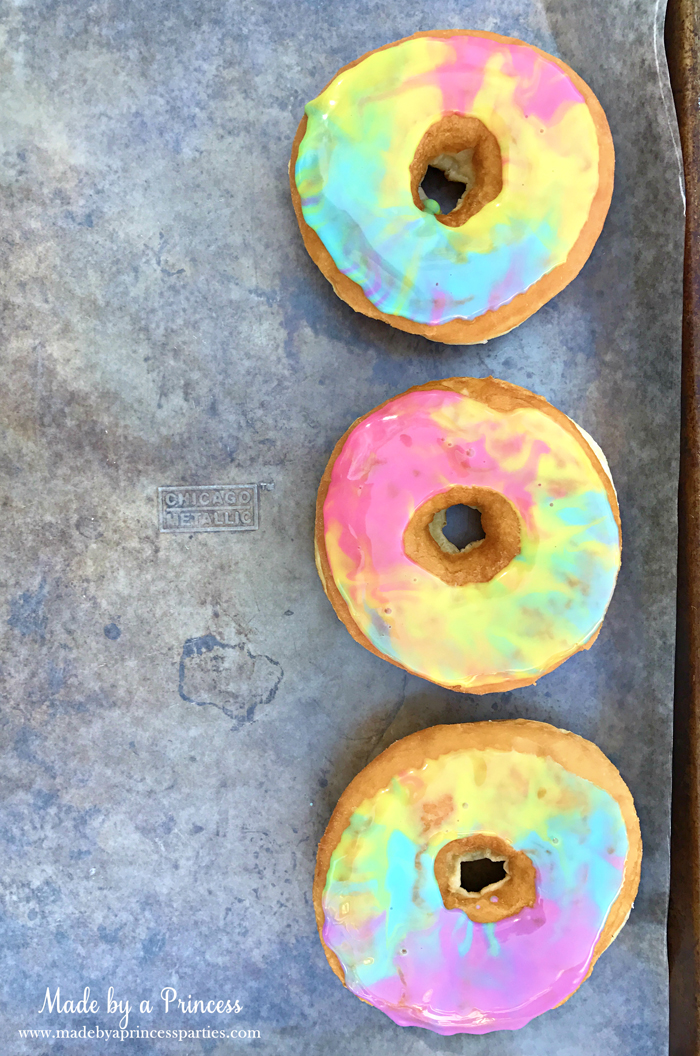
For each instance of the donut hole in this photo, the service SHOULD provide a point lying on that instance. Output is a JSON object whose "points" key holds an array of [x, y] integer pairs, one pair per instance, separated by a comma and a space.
{"points": [[438, 187], [485, 876], [476, 874], [457, 528], [490, 532], [457, 150]]}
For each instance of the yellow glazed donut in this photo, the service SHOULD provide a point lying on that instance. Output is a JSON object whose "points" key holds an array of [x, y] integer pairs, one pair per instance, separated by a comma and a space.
{"points": [[523, 133], [398, 925], [507, 609]]}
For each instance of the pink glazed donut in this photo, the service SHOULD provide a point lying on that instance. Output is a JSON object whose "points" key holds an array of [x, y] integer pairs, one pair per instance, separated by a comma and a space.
{"points": [[506, 610]]}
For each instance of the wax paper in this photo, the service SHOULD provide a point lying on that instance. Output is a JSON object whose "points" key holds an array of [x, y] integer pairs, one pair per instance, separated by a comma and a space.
{"points": [[180, 711]]}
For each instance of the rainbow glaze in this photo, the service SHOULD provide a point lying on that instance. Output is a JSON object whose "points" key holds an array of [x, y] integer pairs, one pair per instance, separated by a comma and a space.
{"points": [[547, 603], [426, 966], [352, 174]]}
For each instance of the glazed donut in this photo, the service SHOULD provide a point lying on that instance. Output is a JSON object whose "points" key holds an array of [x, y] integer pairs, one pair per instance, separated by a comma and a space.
{"points": [[523, 133], [506, 609], [397, 925]]}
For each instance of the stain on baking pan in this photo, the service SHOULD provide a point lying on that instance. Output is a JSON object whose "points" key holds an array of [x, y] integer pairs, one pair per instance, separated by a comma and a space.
{"points": [[228, 677], [27, 612]]}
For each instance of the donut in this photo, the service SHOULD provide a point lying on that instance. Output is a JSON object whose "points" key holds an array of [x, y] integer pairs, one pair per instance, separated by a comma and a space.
{"points": [[504, 610], [523, 133], [398, 925]]}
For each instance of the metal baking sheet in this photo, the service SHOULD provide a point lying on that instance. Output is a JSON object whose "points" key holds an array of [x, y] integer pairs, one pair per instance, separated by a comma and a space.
{"points": [[181, 710]]}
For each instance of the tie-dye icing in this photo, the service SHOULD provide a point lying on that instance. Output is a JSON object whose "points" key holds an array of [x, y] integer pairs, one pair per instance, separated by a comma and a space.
{"points": [[352, 173], [427, 966], [547, 603]]}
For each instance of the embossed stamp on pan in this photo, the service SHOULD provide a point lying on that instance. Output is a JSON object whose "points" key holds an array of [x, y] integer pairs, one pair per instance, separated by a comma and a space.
{"points": [[208, 508]]}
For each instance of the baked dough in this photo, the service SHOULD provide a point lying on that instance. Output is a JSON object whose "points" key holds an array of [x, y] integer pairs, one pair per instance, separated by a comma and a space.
{"points": [[506, 610], [523, 133], [401, 933]]}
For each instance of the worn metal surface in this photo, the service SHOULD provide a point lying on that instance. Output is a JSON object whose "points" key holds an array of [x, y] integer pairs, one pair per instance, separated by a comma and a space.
{"points": [[179, 715], [683, 45]]}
